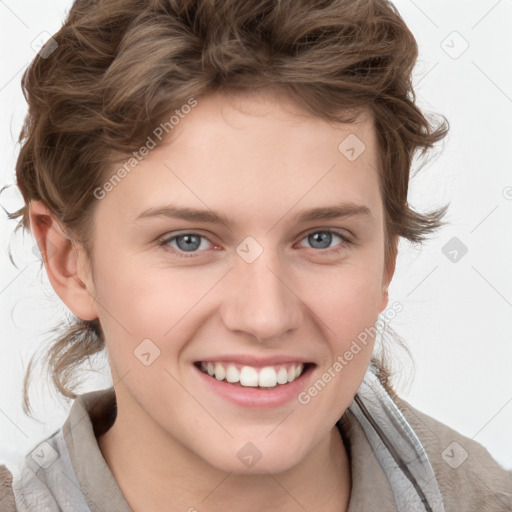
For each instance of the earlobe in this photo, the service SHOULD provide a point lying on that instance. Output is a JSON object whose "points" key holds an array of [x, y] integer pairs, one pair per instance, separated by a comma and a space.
{"points": [[385, 300], [65, 269]]}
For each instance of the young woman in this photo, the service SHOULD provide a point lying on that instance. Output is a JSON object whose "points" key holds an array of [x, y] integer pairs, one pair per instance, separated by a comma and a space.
{"points": [[218, 188]]}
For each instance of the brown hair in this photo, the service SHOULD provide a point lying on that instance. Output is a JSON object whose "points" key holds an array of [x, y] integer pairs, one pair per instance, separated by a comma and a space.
{"points": [[119, 64]]}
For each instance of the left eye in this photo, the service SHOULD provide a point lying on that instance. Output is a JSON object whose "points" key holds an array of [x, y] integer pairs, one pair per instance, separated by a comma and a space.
{"points": [[192, 242], [322, 239]]}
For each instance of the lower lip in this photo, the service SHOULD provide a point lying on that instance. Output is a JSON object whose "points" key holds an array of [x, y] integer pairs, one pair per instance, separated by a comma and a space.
{"points": [[254, 397]]}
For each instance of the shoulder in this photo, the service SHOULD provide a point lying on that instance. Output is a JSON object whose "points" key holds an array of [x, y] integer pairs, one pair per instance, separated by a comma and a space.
{"points": [[468, 476], [7, 503]]}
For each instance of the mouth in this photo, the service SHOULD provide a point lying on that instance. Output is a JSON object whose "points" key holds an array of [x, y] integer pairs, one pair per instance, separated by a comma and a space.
{"points": [[267, 378]]}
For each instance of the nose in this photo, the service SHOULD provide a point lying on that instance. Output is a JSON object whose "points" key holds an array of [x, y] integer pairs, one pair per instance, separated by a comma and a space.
{"points": [[261, 300]]}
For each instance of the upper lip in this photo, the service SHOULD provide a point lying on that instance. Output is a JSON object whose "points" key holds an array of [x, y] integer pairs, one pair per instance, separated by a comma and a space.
{"points": [[254, 360]]}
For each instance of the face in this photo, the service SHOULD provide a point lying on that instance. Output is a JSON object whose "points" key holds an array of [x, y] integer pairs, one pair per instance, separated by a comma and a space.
{"points": [[271, 283]]}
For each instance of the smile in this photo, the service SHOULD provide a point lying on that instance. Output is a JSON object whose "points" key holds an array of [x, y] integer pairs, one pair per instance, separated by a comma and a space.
{"points": [[250, 376]]}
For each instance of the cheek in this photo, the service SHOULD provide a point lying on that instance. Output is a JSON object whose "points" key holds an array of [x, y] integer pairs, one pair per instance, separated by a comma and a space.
{"points": [[138, 293], [141, 301], [347, 299], [345, 307]]}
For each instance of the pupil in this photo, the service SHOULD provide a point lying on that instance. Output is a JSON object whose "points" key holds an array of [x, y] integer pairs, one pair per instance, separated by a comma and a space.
{"points": [[323, 237], [192, 242]]}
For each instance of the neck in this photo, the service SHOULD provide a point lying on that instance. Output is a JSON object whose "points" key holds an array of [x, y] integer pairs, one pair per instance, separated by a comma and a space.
{"points": [[321, 481]]}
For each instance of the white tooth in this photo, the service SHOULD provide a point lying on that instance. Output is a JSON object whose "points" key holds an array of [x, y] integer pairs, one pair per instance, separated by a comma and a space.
{"points": [[267, 377], [232, 373], [282, 375], [220, 373], [248, 376]]}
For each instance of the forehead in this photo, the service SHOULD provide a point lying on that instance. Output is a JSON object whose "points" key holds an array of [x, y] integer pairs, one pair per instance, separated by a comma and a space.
{"points": [[257, 118], [254, 152]]}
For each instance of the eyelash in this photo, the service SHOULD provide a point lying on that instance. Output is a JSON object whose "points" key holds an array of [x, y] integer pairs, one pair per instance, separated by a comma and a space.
{"points": [[181, 254]]}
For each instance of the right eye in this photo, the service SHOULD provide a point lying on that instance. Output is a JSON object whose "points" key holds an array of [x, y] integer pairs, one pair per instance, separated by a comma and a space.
{"points": [[187, 242]]}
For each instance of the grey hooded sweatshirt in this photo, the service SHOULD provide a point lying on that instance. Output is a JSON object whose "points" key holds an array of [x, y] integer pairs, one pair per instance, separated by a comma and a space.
{"points": [[401, 460]]}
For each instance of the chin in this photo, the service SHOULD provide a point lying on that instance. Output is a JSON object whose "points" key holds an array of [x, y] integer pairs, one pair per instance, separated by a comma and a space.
{"points": [[255, 457]]}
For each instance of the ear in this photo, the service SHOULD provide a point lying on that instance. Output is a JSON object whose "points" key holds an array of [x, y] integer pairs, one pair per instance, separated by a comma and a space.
{"points": [[65, 263], [388, 274]]}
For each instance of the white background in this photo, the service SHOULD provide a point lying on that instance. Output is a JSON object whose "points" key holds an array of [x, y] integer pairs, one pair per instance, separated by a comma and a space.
{"points": [[456, 317]]}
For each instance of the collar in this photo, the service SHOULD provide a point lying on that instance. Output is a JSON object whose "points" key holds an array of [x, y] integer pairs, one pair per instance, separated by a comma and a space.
{"points": [[396, 446]]}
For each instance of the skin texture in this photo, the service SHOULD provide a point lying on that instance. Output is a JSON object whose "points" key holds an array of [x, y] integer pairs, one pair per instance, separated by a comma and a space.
{"points": [[259, 160]]}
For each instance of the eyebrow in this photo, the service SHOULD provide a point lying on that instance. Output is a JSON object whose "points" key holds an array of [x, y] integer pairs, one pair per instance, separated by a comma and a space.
{"points": [[343, 210]]}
